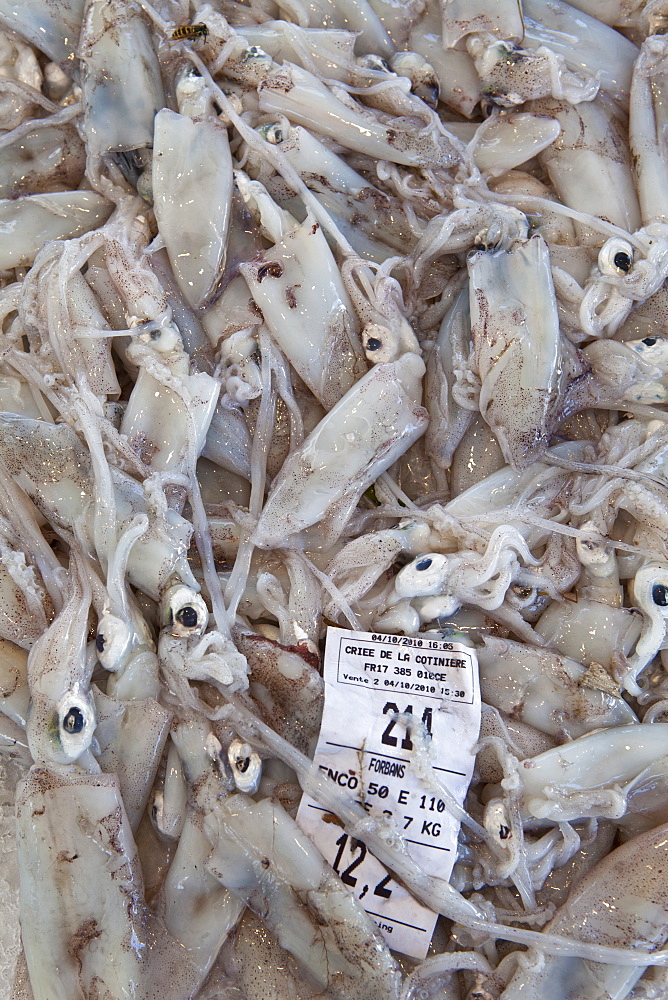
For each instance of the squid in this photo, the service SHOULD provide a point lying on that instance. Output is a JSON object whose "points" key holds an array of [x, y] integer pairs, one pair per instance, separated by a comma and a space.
{"points": [[639, 922], [359, 438], [59, 479], [192, 165], [61, 718], [121, 83], [515, 330]]}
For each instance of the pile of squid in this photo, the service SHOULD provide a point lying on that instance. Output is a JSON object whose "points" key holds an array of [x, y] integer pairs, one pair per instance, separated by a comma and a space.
{"points": [[344, 313]]}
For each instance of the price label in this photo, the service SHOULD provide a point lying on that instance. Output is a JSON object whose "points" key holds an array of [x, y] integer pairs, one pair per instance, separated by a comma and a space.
{"points": [[375, 685]]}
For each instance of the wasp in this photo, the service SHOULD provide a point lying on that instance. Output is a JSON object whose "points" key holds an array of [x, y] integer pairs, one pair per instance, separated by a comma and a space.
{"points": [[190, 31]]}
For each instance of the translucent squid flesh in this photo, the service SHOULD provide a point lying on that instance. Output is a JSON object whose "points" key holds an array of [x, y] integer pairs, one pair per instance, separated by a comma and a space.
{"points": [[30, 221], [51, 158], [306, 101], [586, 774], [61, 719], [94, 932], [298, 287], [192, 166], [367, 430], [59, 478], [634, 915], [504, 20], [585, 43], [14, 682], [121, 84], [302, 886], [52, 27], [515, 330], [546, 690]]}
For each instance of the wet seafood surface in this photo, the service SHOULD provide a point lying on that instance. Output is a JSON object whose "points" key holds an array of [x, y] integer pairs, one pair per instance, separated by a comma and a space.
{"points": [[342, 318]]}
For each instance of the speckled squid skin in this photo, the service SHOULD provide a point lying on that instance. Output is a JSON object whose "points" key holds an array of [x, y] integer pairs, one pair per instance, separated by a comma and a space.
{"points": [[121, 83], [622, 902], [86, 930], [49, 462], [64, 927], [52, 25], [367, 430], [515, 329]]}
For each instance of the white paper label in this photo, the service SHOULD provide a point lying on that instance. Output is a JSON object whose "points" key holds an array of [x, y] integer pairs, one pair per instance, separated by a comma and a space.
{"points": [[370, 679]]}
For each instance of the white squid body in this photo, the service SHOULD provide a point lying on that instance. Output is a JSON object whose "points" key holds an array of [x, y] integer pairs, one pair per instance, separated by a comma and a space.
{"points": [[159, 421], [298, 287], [197, 909], [29, 222], [356, 15], [83, 309], [24, 609], [14, 693], [585, 777], [328, 44], [331, 50], [17, 396], [52, 26], [508, 487], [502, 18], [50, 464], [647, 128], [305, 100], [458, 83], [262, 856], [585, 43], [85, 928], [228, 440], [311, 158], [59, 676], [544, 689], [29, 162], [589, 631], [448, 420], [589, 164], [621, 903], [515, 328], [502, 143], [192, 194], [131, 736], [367, 430], [121, 84]]}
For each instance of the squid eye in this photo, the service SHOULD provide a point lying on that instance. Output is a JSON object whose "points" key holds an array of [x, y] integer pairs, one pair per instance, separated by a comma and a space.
{"points": [[273, 133], [74, 721], [615, 258], [649, 341], [372, 61], [246, 766], [424, 576], [112, 641], [185, 613], [379, 343], [650, 589], [76, 724], [187, 617]]}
